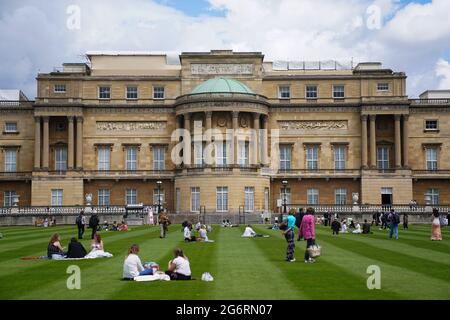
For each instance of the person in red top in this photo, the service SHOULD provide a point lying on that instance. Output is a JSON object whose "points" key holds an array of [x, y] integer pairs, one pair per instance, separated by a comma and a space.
{"points": [[308, 232]]}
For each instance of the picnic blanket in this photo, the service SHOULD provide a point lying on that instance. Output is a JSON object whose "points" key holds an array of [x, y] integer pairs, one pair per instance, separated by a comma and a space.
{"points": [[47, 258], [158, 276]]}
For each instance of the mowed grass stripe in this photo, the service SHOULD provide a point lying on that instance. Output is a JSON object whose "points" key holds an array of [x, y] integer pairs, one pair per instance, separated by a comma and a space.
{"points": [[319, 280], [202, 257], [42, 273], [243, 272]]}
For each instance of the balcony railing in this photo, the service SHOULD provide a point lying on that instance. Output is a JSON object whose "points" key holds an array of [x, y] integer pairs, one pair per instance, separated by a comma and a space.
{"points": [[16, 175], [372, 208], [125, 173], [318, 172], [429, 101]]}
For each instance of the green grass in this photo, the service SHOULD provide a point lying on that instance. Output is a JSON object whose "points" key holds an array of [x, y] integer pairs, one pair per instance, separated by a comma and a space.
{"points": [[411, 268]]}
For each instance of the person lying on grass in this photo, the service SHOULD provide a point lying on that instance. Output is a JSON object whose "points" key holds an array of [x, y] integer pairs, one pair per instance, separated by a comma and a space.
{"points": [[76, 249], [179, 268], [132, 266], [54, 249], [250, 233]]}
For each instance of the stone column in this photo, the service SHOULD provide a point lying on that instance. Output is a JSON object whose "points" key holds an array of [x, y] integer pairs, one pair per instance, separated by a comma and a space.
{"points": [[79, 143], [373, 142], [70, 143], [264, 140], [364, 141], [256, 148], [37, 143], [208, 127], [235, 140], [45, 143], [187, 140], [405, 141], [398, 142]]}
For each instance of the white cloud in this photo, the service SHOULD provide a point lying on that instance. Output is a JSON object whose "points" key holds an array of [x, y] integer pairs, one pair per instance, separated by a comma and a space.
{"points": [[443, 73], [412, 38]]}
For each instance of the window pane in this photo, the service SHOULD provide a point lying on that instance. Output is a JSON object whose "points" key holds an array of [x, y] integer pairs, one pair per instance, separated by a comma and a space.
{"points": [[159, 158], [103, 197], [311, 92], [383, 157], [340, 196], [313, 196], [8, 197], [104, 158], [132, 92], [339, 157], [284, 92], [10, 160], [195, 199], [222, 199], [431, 158], [158, 92], [61, 159], [11, 127], [338, 91], [312, 157], [131, 196], [285, 157], [249, 199], [104, 92], [131, 158], [57, 197]]}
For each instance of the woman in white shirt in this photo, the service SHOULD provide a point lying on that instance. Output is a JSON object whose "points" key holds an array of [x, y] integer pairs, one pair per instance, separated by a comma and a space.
{"points": [[179, 268], [132, 266], [358, 229], [187, 233]]}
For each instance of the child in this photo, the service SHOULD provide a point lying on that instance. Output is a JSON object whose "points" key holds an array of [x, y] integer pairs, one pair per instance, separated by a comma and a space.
{"points": [[335, 226]]}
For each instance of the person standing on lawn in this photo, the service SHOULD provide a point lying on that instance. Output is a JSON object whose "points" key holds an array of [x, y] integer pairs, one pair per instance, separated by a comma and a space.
{"points": [[163, 224], [93, 223], [81, 222], [308, 231], [290, 237], [393, 220], [405, 221], [436, 234]]}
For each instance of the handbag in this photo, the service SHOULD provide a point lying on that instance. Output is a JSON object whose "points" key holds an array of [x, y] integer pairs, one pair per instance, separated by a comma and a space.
{"points": [[314, 251]]}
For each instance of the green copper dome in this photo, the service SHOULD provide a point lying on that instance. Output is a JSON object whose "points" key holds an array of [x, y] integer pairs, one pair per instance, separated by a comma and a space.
{"points": [[222, 85]]}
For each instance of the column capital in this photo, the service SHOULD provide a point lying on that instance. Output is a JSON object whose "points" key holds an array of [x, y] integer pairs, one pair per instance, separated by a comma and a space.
{"points": [[45, 118], [364, 117], [187, 116], [208, 114], [80, 119], [235, 114], [397, 117], [372, 117], [37, 118], [405, 117], [256, 115], [70, 118]]}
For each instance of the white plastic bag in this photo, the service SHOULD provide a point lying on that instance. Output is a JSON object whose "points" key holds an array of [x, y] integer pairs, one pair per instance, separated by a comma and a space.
{"points": [[206, 276]]}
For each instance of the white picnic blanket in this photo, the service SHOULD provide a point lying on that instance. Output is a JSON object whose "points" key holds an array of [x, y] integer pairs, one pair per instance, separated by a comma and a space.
{"points": [[158, 276]]}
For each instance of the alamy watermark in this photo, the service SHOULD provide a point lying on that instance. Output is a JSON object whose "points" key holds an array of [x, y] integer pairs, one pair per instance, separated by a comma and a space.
{"points": [[374, 280], [74, 280]]}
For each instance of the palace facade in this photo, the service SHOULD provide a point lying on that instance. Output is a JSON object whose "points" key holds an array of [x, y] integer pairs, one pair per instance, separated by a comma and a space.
{"points": [[109, 127]]}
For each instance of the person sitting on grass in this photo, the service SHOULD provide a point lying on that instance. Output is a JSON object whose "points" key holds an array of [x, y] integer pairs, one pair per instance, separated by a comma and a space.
{"points": [[188, 237], [114, 226], [179, 268], [54, 249], [250, 233], [336, 226], [122, 227], [344, 226], [366, 227], [203, 234], [132, 266], [97, 248], [357, 229], [76, 249]]}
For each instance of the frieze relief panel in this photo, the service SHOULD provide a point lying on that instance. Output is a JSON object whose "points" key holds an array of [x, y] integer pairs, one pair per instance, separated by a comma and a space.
{"points": [[221, 68], [130, 126], [316, 125]]}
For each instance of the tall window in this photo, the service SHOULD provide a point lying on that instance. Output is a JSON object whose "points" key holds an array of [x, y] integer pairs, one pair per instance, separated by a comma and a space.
{"points": [[383, 158], [132, 92], [249, 201], [159, 158], [312, 157], [158, 196], [338, 92], [266, 199], [340, 196], [103, 197], [199, 159], [195, 199], [311, 92], [312, 196], [131, 158], [432, 158], [286, 195], [104, 93], [104, 158], [339, 157], [10, 160], [177, 200], [221, 154], [243, 153], [284, 92], [285, 157], [222, 199], [61, 159], [158, 92], [131, 196], [434, 196], [8, 198], [57, 197]]}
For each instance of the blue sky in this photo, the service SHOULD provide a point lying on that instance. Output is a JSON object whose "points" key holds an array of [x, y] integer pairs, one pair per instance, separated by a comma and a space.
{"points": [[409, 36]]}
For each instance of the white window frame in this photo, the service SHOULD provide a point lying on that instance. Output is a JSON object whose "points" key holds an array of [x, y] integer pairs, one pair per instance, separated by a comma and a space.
{"points": [[288, 196], [159, 158], [244, 147], [383, 158], [285, 157], [60, 159], [104, 158], [60, 86], [199, 159], [434, 196], [131, 194], [57, 197], [221, 153], [335, 91], [107, 92], [10, 160], [222, 199], [282, 90], [312, 157], [249, 199], [431, 158], [8, 198], [383, 87], [195, 199], [312, 196], [131, 163], [339, 157], [159, 194], [10, 127], [134, 92], [429, 121], [104, 197], [155, 93], [308, 86], [340, 196]]}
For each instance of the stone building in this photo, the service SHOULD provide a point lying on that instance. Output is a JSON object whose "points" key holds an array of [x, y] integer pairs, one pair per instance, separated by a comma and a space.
{"points": [[108, 127]]}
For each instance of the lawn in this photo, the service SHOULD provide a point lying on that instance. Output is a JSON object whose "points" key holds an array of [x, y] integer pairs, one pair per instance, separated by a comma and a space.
{"points": [[411, 268]]}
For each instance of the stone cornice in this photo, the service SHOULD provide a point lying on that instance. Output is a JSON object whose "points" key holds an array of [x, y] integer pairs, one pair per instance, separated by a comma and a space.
{"points": [[202, 106]]}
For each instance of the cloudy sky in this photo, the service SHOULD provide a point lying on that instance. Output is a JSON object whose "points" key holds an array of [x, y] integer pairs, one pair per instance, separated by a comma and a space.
{"points": [[406, 35]]}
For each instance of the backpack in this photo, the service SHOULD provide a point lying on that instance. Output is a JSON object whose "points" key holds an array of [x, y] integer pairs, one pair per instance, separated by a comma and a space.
{"points": [[93, 221], [396, 218], [78, 220]]}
